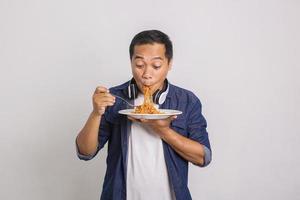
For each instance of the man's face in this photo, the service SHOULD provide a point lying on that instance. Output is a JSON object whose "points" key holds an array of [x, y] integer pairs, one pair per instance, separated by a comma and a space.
{"points": [[150, 66]]}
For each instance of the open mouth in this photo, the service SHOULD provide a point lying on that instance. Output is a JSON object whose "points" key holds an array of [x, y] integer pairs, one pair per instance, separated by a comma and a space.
{"points": [[147, 83]]}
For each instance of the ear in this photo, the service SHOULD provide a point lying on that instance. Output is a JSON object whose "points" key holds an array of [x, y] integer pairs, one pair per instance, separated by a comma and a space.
{"points": [[170, 64]]}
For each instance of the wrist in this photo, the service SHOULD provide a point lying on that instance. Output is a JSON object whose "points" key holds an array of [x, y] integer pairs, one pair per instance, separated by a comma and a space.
{"points": [[165, 133], [95, 114]]}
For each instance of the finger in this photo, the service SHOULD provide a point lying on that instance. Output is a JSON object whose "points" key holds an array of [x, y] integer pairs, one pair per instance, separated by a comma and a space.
{"points": [[106, 96], [144, 120], [105, 104], [101, 110], [133, 119], [107, 100], [101, 89], [98, 98], [172, 117]]}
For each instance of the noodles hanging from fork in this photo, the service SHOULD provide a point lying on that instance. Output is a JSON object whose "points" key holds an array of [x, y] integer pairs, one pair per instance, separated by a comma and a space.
{"points": [[148, 106]]}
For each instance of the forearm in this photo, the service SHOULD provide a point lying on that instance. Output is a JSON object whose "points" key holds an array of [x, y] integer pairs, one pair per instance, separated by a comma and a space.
{"points": [[87, 139], [185, 147]]}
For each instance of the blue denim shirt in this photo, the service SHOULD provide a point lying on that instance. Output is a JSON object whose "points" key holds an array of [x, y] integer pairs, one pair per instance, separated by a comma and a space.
{"points": [[115, 129]]}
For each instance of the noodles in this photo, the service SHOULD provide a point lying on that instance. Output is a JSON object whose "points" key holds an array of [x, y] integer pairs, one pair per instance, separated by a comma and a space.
{"points": [[147, 107]]}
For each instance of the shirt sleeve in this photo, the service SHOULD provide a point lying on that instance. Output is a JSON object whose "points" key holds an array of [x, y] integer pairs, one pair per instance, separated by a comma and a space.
{"points": [[103, 135], [197, 130]]}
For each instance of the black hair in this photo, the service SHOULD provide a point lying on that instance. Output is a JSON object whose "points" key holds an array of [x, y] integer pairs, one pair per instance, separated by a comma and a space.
{"points": [[150, 37]]}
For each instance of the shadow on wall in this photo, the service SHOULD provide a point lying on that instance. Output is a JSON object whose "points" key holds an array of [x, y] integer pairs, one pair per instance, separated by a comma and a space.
{"points": [[58, 171]]}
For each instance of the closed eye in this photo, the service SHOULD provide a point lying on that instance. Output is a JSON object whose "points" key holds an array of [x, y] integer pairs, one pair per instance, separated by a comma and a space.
{"points": [[139, 65], [157, 66]]}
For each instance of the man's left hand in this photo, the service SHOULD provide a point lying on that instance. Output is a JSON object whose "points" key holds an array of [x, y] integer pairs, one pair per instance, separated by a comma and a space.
{"points": [[160, 126]]}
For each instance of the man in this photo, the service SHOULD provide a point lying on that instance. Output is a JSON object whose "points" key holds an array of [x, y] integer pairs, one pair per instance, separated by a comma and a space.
{"points": [[147, 159]]}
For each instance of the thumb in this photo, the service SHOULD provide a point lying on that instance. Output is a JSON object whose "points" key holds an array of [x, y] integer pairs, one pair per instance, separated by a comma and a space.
{"points": [[101, 89], [173, 117]]}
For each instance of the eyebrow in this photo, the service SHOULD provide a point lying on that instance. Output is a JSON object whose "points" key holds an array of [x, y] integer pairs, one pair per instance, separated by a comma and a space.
{"points": [[141, 57]]}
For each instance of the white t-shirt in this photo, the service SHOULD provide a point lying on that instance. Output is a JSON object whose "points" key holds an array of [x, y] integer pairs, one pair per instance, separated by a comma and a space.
{"points": [[147, 176]]}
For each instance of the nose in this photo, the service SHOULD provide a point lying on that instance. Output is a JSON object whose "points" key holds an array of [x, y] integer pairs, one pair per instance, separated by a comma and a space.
{"points": [[147, 73]]}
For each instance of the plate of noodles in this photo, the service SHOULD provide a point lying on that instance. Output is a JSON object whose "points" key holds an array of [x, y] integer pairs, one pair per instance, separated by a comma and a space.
{"points": [[148, 110], [163, 114]]}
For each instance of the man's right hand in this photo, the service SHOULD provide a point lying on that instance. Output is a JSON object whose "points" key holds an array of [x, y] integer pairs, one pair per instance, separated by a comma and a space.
{"points": [[101, 99]]}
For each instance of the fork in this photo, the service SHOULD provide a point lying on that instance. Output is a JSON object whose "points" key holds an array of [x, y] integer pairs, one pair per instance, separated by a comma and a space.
{"points": [[123, 100]]}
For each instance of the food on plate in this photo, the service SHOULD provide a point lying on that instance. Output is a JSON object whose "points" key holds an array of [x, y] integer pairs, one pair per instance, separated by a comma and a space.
{"points": [[148, 106]]}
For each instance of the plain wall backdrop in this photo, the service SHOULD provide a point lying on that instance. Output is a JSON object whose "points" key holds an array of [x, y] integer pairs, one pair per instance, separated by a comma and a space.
{"points": [[241, 58]]}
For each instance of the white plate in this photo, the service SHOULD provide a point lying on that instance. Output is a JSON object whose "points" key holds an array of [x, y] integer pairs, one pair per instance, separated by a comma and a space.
{"points": [[166, 113]]}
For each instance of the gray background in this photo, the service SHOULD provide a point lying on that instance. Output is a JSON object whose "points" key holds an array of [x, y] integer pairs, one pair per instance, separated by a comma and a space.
{"points": [[240, 57]]}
